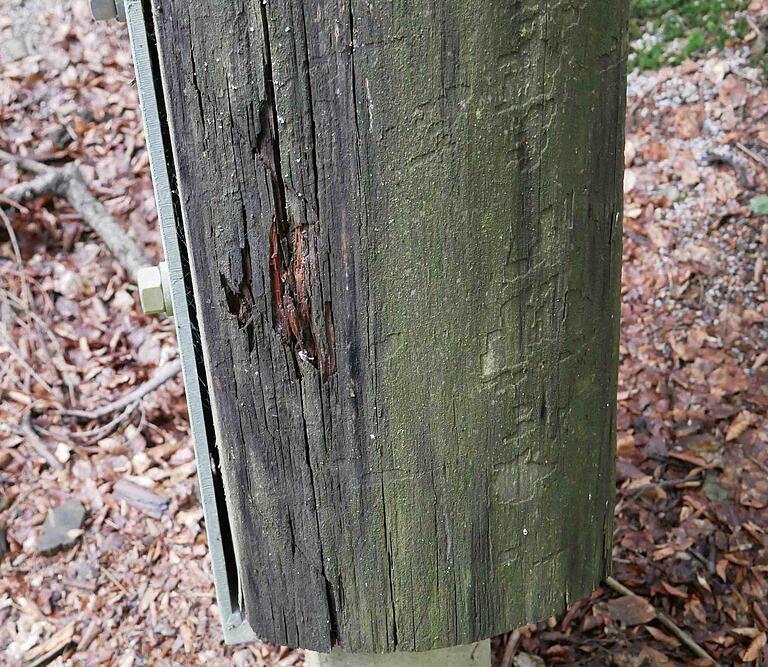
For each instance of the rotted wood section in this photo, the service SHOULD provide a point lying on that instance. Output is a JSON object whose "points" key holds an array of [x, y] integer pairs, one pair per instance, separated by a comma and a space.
{"points": [[404, 225]]}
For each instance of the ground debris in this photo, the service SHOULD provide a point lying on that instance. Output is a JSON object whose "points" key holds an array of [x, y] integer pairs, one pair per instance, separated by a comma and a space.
{"points": [[62, 528], [49, 649], [139, 497], [630, 610]]}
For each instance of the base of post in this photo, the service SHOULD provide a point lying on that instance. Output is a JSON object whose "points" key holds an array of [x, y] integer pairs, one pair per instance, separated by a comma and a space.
{"points": [[470, 655]]}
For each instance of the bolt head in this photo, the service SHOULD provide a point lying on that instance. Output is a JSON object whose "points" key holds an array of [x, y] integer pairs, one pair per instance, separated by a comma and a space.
{"points": [[103, 10], [150, 282]]}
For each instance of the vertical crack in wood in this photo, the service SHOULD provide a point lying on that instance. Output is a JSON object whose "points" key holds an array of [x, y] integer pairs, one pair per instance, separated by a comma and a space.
{"points": [[387, 527], [390, 564], [195, 83], [289, 270], [240, 299], [290, 245], [328, 367], [311, 114]]}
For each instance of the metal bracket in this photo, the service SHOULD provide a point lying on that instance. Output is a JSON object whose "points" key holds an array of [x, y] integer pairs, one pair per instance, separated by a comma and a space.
{"points": [[236, 629]]}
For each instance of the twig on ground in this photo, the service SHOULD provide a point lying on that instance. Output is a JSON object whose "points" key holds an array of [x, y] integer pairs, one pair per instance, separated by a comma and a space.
{"points": [[115, 580], [666, 621], [711, 157], [758, 46], [67, 182], [89, 634], [743, 75], [701, 559], [759, 464], [45, 184], [19, 262], [13, 301], [27, 431], [102, 223], [648, 92], [19, 357], [662, 484], [752, 154], [25, 163], [96, 434], [511, 649], [165, 373]]}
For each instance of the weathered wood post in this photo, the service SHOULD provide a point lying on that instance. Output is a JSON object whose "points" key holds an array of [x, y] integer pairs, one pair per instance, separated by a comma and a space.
{"points": [[393, 232]]}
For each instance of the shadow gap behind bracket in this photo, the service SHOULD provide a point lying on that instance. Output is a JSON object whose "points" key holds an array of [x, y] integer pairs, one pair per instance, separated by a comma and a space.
{"points": [[156, 129]]}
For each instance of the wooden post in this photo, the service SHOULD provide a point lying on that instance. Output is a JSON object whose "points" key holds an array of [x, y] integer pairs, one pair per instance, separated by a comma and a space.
{"points": [[403, 222]]}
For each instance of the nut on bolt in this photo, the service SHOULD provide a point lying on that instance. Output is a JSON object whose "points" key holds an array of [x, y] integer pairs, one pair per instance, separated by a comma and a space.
{"points": [[103, 10], [155, 289]]}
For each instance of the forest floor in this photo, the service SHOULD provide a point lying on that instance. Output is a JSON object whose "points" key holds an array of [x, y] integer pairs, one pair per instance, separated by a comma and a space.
{"points": [[135, 586]]}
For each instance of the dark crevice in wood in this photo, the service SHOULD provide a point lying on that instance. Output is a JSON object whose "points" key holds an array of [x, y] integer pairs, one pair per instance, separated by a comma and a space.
{"points": [[353, 87], [311, 117], [194, 81], [293, 534], [290, 284], [240, 298], [330, 600], [332, 615], [328, 367], [390, 565], [290, 243], [227, 542]]}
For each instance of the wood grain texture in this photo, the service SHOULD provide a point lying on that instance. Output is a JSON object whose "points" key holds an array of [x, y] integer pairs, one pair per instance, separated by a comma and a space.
{"points": [[404, 223]]}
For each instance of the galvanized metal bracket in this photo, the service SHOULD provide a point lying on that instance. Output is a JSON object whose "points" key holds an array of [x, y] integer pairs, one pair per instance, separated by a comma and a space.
{"points": [[145, 59]]}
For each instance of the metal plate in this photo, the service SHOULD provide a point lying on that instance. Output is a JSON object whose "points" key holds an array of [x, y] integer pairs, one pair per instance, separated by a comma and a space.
{"points": [[236, 630]]}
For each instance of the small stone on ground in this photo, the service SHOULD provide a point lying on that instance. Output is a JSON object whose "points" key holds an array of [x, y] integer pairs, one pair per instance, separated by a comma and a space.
{"points": [[3, 542], [61, 528]]}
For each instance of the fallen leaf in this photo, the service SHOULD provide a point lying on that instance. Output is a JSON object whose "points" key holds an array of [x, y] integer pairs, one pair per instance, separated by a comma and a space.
{"points": [[739, 426], [662, 637], [755, 648], [653, 658], [752, 633], [722, 568], [674, 590], [631, 610]]}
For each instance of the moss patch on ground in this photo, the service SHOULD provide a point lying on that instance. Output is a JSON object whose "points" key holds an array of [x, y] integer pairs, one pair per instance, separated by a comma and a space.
{"points": [[666, 32]]}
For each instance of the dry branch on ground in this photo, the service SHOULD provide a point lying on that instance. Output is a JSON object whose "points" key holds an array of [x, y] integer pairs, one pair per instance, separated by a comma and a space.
{"points": [[67, 182]]}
